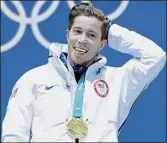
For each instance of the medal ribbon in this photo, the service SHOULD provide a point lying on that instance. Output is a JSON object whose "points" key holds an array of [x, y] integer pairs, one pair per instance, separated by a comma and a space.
{"points": [[78, 101]]}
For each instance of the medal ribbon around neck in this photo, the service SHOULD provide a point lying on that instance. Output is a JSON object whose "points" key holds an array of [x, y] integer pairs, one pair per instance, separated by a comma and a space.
{"points": [[78, 101], [77, 127]]}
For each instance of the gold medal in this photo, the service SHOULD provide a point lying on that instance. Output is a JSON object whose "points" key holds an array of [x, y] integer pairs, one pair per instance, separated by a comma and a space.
{"points": [[77, 128]]}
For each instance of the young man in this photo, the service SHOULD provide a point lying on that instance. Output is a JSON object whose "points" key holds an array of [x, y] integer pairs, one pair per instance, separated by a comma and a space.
{"points": [[75, 97]]}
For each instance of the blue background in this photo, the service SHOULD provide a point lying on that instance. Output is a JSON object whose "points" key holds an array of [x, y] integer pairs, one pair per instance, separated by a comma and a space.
{"points": [[147, 119]]}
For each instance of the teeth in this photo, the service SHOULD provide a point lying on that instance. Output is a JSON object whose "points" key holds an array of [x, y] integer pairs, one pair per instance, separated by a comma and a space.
{"points": [[80, 50]]}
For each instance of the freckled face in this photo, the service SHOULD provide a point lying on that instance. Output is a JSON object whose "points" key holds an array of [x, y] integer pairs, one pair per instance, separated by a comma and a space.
{"points": [[84, 40]]}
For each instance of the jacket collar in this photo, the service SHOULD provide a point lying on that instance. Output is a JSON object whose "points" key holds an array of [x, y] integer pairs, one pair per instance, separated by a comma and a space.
{"points": [[55, 51]]}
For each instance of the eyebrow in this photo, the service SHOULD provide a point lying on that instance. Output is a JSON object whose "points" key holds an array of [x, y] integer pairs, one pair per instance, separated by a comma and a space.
{"points": [[76, 28], [88, 30], [93, 32]]}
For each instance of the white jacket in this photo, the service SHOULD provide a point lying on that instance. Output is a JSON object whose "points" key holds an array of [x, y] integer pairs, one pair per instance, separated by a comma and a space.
{"points": [[43, 102]]}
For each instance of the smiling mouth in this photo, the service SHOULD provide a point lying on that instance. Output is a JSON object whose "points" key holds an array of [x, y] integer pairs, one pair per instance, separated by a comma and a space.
{"points": [[83, 51]]}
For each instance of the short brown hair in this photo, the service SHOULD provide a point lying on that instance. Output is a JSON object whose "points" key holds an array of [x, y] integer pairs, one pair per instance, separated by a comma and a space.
{"points": [[88, 9]]}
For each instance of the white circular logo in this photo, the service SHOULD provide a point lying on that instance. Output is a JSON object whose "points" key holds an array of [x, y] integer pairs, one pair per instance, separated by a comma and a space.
{"points": [[35, 19], [101, 88]]}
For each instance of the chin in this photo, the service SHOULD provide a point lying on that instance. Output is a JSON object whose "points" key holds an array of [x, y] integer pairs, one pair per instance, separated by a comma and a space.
{"points": [[83, 63], [78, 61]]}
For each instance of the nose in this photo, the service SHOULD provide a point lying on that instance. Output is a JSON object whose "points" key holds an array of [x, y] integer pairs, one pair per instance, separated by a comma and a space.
{"points": [[82, 38]]}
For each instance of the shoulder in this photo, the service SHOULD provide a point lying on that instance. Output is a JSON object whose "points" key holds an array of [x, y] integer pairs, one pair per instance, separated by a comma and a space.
{"points": [[111, 69], [35, 75], [116, 72], [28, 82]]}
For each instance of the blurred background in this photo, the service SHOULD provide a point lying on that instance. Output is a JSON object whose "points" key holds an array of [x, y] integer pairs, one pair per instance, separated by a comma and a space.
{"points": [[28, 27]]}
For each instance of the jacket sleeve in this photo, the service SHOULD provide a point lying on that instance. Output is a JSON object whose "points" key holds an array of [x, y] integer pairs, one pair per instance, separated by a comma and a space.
{"points": [[148, 61], [16, 126]]}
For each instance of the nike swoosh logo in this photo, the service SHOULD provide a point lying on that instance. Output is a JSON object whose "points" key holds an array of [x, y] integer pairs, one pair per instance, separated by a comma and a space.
{"points": [[50, 87]]}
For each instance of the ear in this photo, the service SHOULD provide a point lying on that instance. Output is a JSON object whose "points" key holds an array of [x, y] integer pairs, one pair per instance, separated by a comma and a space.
{"points": [[102, 45], [67, 34]]}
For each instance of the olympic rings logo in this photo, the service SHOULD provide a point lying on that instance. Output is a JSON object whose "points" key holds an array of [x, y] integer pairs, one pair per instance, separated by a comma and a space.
{"points": [[35, 19]]}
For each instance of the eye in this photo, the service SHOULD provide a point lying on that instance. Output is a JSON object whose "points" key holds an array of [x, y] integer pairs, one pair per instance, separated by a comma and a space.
{"points": [[92, 35], [77, 31]]}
